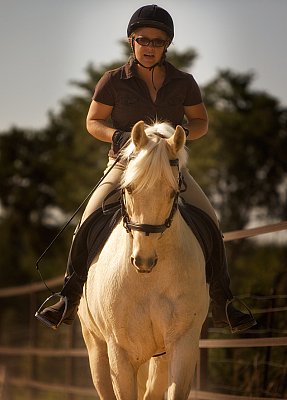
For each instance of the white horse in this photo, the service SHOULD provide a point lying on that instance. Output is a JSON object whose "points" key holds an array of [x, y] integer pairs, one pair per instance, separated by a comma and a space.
{"points": [[146, 292]]}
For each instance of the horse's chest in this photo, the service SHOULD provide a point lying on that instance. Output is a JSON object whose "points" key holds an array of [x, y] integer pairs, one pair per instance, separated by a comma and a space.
{"points": [[139, 302], [146, 315], [140, 325], [149, 309]]}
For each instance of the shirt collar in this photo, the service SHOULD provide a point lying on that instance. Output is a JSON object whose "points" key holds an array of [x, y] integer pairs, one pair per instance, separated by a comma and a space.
{"points": [[129, 71]]}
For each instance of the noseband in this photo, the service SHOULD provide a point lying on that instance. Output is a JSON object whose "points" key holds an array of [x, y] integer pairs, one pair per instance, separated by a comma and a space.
{"points": [[147, 228]]}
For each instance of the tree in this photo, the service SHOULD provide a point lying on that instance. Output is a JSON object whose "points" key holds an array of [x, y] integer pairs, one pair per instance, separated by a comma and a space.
{"points": [[27, 176], [243, 159]]}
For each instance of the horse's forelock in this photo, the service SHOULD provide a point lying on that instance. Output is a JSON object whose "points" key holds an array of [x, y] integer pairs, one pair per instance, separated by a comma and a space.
{"points": [[160, 129], [152, 162]]}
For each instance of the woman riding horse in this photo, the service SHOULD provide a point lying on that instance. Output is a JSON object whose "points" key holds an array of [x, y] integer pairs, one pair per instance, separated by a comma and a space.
{"points": [[149, 296], [147, 88]]}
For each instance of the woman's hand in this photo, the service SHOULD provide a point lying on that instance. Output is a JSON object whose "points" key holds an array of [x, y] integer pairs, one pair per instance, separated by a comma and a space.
{"points": [[119, 139]]}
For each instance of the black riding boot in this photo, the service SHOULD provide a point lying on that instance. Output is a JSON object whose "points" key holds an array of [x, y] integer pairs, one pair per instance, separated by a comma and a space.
{"points": [[88, 241], [210, 238], [224, 313], [65, 310]]}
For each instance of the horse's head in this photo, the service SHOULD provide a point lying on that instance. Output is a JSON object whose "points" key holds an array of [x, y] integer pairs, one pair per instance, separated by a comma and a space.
{"points": [[150, 187]]}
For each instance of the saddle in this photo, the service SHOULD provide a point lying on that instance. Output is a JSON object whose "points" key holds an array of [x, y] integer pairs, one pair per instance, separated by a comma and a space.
{"points": [[94, 232]]}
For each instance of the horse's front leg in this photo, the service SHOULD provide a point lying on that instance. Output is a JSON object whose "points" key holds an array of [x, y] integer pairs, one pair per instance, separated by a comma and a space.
{"points": [[123, 372], [99, 364], [183, 356], [157, 378]]}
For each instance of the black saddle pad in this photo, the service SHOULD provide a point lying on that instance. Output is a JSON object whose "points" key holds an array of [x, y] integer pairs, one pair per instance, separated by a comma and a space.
{"points": [[94, 232]]}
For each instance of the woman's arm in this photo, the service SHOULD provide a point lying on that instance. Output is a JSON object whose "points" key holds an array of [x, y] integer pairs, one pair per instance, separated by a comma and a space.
{"points": [[96, 122], [197, 121]]}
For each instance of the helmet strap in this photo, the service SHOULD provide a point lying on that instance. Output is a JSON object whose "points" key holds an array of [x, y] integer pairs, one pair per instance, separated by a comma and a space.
{"points": [[159, 64]]}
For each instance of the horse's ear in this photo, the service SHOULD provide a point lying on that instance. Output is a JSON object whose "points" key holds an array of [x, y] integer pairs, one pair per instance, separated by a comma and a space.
{"points": [[177, 140], [139, 136]]}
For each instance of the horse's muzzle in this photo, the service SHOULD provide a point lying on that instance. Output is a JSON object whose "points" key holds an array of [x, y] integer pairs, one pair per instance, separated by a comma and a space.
{"points": [[144, 266]]}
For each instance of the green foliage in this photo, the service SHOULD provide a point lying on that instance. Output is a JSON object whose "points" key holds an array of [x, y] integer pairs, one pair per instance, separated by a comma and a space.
{"points": [[182, 60], [242, 160]]}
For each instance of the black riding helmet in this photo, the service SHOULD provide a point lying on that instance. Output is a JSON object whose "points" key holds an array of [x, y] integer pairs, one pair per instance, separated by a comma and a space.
{"points": [[151, 16]]}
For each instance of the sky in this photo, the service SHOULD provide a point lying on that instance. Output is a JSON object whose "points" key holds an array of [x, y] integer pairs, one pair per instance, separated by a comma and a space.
{"points": [[44, 44]]}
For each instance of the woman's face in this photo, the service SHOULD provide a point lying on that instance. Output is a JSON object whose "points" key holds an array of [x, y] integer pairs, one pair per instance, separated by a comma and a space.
{"points": [[147, 53]]}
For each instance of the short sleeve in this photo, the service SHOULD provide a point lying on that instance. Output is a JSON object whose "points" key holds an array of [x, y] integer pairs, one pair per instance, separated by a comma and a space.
{"points": [[104, 91], [193, 94]]}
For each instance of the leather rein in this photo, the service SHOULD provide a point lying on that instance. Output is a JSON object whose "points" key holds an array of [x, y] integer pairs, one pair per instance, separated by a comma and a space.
{"points": [[147, 228]]}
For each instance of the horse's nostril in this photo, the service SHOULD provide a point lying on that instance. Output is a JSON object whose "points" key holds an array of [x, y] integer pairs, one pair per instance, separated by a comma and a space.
{"points": [[137, 261]]}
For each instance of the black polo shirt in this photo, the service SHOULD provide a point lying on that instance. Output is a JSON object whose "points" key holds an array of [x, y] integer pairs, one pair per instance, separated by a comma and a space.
{"points": [[123, 89]]}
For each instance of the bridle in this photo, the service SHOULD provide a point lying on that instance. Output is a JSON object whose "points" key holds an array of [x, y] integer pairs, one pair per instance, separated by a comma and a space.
{"points": [[147, 228]]}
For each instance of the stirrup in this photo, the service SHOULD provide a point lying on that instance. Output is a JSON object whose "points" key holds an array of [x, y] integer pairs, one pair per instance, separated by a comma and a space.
{"points": [[47, 322], [234, 330]]}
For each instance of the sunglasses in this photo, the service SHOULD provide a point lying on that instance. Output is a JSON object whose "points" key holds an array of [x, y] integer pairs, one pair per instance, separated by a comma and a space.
{"points": [[143, 41]]}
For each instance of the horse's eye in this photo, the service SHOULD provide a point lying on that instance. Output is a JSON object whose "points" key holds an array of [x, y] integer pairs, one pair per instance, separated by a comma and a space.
{"points": [[129, 189], [172, 194]]}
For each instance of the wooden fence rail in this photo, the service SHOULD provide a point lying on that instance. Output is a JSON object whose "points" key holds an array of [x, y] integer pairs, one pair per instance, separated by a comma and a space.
{"points": [[203, 344]]}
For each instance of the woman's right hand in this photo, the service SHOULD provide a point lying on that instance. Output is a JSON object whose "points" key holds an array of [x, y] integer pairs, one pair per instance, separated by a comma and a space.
{"points": [[119, 139]]}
